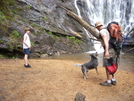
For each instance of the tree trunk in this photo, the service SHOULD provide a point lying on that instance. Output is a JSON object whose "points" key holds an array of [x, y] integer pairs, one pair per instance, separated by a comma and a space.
{"points": [[88, 27], [83, 23]]}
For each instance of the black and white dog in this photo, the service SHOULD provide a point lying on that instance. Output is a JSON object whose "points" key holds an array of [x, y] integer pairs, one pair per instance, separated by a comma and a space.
{"points": [[92, 64]]}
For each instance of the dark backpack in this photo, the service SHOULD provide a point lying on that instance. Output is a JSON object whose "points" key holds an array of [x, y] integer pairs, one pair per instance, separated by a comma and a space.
{"points": [[115, 36]]}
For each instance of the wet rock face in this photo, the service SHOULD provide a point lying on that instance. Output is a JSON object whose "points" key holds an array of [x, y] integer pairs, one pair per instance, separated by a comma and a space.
{"points": [[50, 27]]}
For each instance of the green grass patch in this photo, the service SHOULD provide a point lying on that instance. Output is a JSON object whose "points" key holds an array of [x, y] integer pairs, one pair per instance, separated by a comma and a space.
{"points": [[32, 44], [45, 18], [1, 41], [74, 40], [28, 7], [1, 56], [15, 34]]}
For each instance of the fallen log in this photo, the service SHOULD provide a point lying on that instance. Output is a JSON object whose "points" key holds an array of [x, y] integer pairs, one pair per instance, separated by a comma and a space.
{"points": [[83, 23], [130, 49], [130, 31]]}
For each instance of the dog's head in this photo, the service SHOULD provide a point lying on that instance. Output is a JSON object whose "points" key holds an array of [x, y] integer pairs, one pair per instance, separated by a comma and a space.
{"points": [[94, 55]]}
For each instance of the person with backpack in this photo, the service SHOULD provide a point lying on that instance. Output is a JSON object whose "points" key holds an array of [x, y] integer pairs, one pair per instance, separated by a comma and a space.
{"points": [[110, 54]]}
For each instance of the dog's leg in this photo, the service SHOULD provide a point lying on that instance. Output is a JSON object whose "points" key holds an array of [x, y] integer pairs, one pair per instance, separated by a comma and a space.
{"points": [[97, 70], [86, 74], [84, 71]]}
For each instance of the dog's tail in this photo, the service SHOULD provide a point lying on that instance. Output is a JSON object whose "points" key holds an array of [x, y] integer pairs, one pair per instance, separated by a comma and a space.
{"points": [[78, 65]]}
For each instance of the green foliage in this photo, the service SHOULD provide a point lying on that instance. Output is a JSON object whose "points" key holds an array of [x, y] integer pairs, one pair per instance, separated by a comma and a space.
{"points": [[13, 57], [1, 41], [2, 16], [34, 25], [32, 44], [14, 38], [19, 9], [10, 18], [16, 34], [44, 31], [50, 33], [13, 11], [11, 47], [1, 56], [28, 7], [73, 39], [4, 5], [5, 13], [41, 52], [70, 37], [3, 22], [78, 41], [45, 18], [24, 20]]}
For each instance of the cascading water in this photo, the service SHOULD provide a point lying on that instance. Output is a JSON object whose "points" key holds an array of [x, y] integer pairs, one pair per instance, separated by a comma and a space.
{"points": [[79, 14], [106, 11]]}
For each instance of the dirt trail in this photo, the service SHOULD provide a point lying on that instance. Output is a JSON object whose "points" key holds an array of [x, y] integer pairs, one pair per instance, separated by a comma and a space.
{"points": [[59, 80]]}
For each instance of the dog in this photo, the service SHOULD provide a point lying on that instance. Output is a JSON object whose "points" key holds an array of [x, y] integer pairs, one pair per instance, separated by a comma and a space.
{"points": [[92, 64]]}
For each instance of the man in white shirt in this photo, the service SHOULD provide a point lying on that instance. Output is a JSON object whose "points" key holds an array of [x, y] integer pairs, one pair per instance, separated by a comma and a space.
{"points": [[108, 52], [26, 46]]}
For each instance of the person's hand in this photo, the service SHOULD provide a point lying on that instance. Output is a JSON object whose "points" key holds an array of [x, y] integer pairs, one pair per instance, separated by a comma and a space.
{"points": [[107, 55], [29, 47]]}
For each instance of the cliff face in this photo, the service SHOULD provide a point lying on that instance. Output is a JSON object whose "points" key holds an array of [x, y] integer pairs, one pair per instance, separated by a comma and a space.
{"points": [[52, 30]]}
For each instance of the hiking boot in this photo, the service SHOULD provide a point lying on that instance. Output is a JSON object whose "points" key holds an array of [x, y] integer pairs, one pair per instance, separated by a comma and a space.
{"points": [[113, 82], [106, 84], [28, 66]]}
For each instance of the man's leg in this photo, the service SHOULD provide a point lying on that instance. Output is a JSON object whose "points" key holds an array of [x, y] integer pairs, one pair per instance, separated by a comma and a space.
{"points": [[112, 53], [108, 81], [108, 76], [113, 80]]}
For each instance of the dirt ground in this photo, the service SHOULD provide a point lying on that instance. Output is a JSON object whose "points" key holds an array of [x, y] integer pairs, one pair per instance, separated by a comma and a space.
{"points": [[59, 80]]}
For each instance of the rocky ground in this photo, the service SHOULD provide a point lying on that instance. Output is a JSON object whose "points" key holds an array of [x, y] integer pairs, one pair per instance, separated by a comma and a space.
{"points": [[59, 80]]}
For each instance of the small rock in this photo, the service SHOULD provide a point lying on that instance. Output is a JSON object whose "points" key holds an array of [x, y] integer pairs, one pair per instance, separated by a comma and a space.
{"points": [[80, 97]]}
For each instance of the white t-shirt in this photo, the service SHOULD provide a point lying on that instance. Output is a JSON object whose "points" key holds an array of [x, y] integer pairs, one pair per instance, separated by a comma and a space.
{"points": [[27, 41], [104, 32]]}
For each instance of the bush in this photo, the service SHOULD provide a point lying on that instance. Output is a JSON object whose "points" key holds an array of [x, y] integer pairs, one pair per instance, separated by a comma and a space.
{"points": [[16, 34]]}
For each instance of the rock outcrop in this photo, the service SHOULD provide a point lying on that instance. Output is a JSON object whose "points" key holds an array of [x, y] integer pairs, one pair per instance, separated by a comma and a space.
{"points": [[53, 31]]}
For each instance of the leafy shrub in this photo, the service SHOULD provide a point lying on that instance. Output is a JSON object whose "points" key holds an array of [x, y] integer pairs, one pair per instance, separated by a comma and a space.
{"points": [[45, 18], [16, 34], [74, 39], [28, 7]]}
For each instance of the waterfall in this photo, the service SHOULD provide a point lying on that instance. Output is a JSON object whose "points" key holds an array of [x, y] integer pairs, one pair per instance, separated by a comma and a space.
{"points": [[106, 11], [79, 14]]}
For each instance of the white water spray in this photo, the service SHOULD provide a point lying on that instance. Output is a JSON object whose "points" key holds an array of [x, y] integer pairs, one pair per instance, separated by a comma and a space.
{"points": [[79, 14], [107, 11]]}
